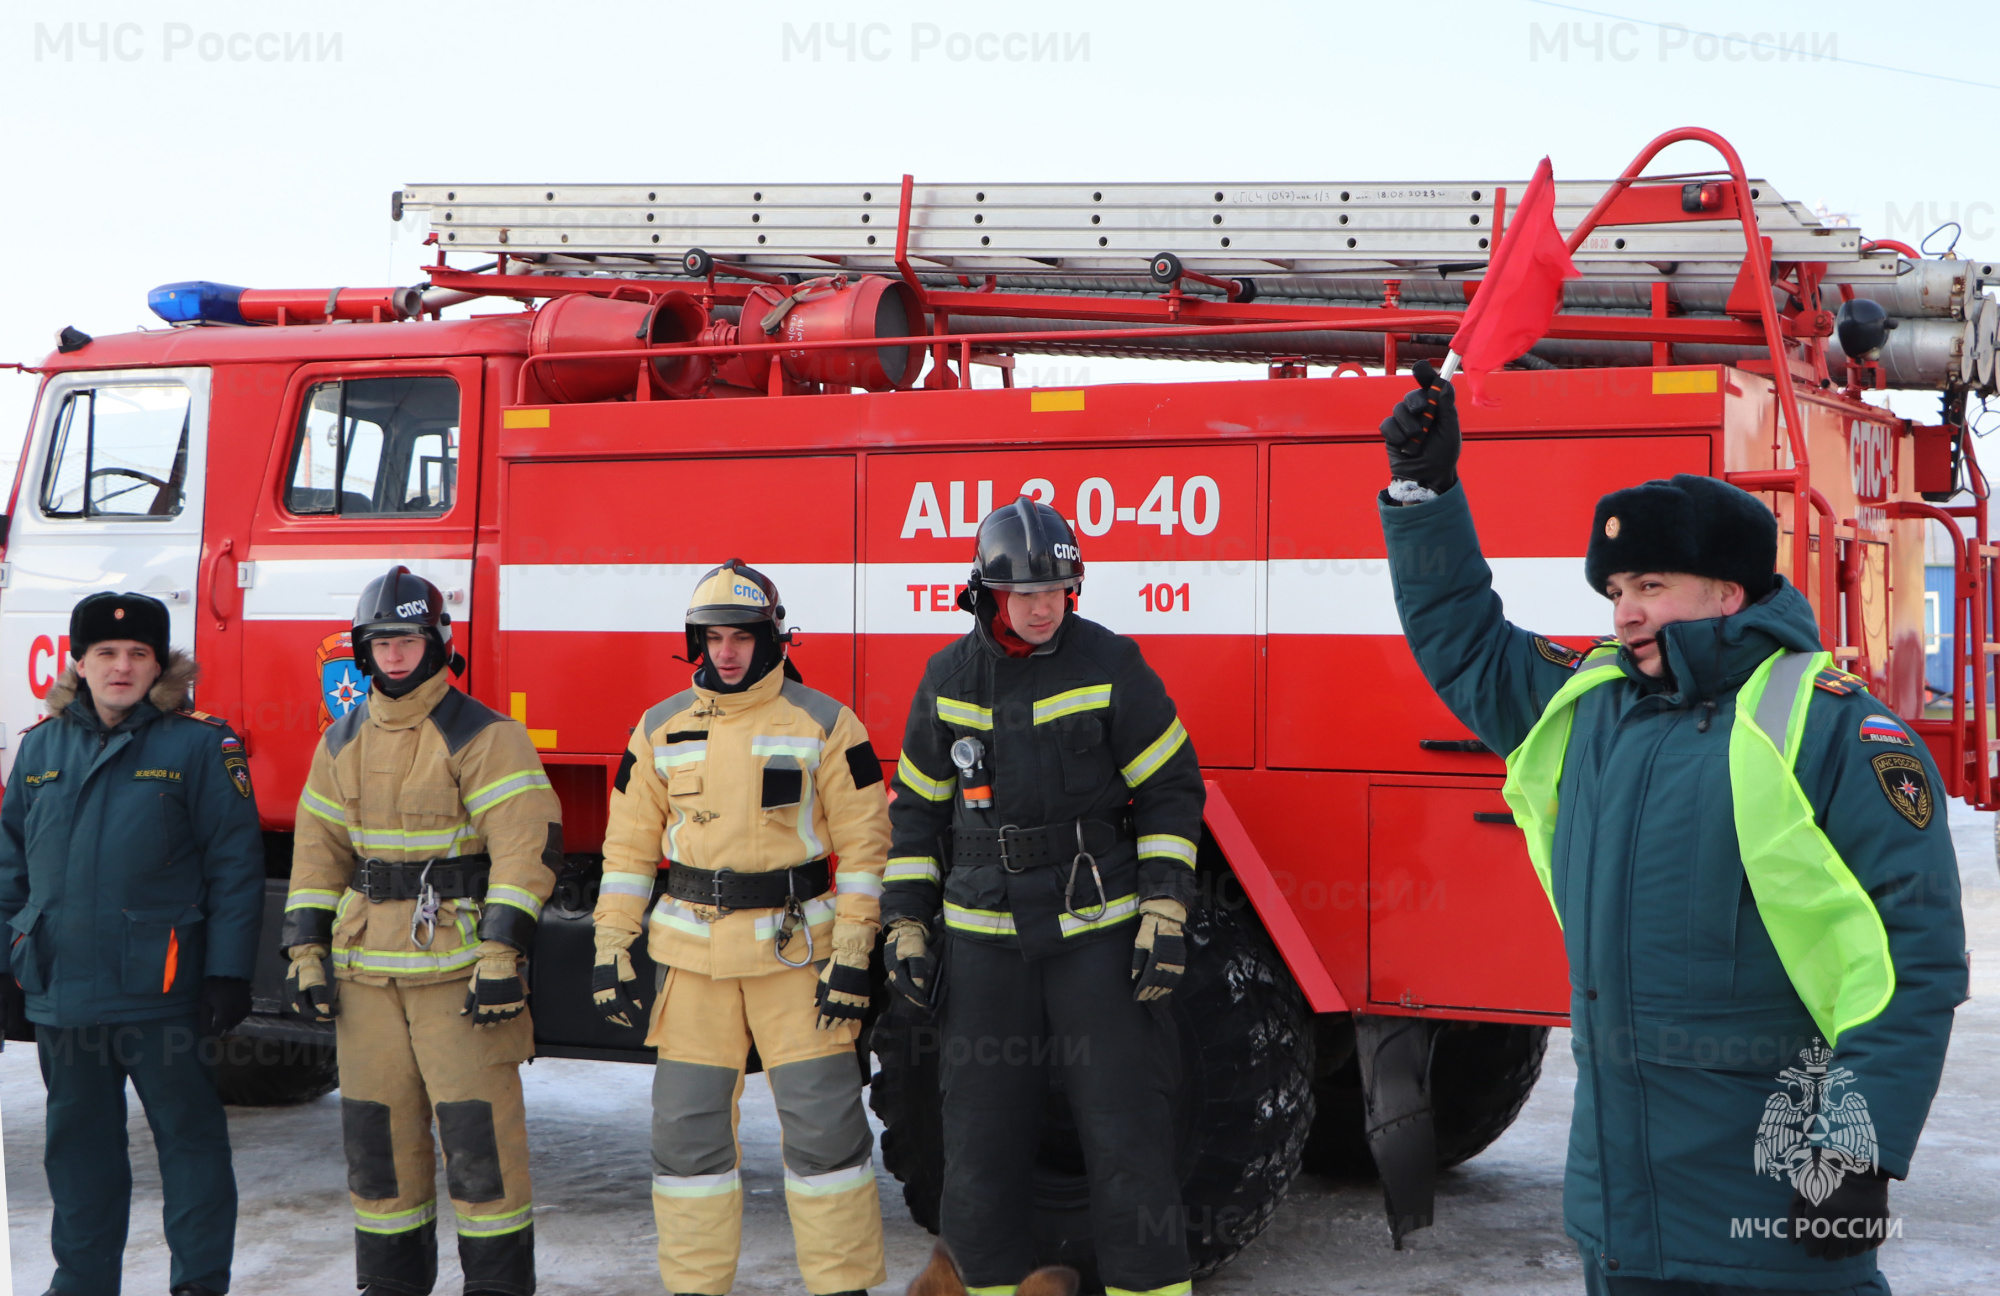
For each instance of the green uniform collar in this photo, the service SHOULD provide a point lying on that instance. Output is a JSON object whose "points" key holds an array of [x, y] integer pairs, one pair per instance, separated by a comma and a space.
{"points": [[1709, 658]]}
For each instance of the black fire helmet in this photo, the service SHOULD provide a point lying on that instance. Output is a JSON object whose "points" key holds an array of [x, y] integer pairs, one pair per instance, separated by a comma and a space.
{"points": [[1024, 547], [398, 603]]}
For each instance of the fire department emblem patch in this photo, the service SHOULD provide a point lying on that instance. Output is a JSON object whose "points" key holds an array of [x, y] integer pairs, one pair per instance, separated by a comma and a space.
{"points": [[1811, 1131], [1905, 784], [236, 764], [341, 683]]}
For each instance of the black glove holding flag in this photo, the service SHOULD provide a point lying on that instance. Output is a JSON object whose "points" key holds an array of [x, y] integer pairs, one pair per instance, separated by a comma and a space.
{"points": [[1423, 439]]}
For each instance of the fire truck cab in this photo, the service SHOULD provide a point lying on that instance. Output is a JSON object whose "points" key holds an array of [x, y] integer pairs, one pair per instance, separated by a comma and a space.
{"points": [[801, 396]]}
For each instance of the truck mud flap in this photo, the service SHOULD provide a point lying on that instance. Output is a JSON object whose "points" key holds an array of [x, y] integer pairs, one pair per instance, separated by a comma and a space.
{"points": [[1395, 1058]]}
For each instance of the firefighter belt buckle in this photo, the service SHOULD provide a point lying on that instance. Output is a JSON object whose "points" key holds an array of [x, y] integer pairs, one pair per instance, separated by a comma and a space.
{"points": [[426, 912], [715, 885], [1069, 887], [794, 919], [1005, 862]]}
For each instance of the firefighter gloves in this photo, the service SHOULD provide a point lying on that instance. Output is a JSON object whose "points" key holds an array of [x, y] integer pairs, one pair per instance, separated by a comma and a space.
{"points": [[613, 984], [307, 991], [1423, 439], [843, 992], [912, 967], [495, 993], [1159, 954]]}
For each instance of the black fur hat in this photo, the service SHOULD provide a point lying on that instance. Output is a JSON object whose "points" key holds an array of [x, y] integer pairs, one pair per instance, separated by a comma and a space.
{"points": [[1688, 524], [111, 615]]}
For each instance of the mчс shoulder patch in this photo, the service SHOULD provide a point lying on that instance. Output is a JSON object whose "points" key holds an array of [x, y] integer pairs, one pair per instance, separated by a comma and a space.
{"points": [[1905, 784], [236, 764]]}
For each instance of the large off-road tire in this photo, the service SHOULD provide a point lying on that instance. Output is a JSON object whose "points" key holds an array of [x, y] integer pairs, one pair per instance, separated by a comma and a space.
{"points": [[253, 1072], [1241, 1112], [1481, 1076]]}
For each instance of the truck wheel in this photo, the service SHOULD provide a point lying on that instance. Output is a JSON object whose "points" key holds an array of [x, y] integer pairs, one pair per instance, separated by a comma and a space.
{"points": [[1481, 1076], [904, 1094], [1241, 1114], [252, 1072]]}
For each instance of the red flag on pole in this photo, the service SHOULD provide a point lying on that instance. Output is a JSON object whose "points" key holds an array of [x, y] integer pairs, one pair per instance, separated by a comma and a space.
{"points": [[1522, 288]]}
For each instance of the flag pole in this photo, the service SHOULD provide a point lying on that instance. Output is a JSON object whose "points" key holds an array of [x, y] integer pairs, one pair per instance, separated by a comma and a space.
{"points": [[1450, 366]]}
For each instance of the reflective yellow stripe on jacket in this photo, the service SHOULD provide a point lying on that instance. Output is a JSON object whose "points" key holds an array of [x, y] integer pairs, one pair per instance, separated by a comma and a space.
{"points": [[1147, 763], [921, 783], [965, 714], [1095, 697]]}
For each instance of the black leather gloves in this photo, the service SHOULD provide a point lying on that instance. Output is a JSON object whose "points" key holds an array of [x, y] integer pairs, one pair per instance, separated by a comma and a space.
{"points": [[14, 1024], [1423, 440], [1851, 1220], [225, 1001]]}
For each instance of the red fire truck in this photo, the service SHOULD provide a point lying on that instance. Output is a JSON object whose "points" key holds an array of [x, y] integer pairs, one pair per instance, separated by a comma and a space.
{"points": [[678, 375]]}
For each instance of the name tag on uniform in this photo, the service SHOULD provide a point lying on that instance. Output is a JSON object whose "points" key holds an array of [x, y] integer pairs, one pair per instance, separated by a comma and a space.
{"points": [[36, 780], [167, 775]]}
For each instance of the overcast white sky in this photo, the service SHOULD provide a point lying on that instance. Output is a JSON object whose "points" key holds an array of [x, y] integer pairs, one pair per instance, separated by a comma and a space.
{"points": [[257, 144]]}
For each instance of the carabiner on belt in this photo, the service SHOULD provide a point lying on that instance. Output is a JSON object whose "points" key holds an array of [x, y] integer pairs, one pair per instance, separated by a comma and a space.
{"points": [[426, 913], [1069, 887], [794, 919]]}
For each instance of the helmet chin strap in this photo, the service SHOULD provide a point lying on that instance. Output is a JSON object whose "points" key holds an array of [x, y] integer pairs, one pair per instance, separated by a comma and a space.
{"points": [[436, 658]]}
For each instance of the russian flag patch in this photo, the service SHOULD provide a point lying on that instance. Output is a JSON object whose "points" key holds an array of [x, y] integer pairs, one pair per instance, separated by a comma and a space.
{"points": [[1884, 729]]}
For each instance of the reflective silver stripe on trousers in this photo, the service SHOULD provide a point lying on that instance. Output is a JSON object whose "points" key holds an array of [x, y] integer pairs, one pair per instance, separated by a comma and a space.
{"points": [[1781, 691]]}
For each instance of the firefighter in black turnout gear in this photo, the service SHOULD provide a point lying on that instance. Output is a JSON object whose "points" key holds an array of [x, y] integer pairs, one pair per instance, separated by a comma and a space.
{"points": [[1047, 807]]}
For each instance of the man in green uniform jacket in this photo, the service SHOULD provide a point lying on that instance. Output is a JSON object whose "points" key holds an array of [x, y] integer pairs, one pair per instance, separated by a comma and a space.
{"points": [[1717, 1141], [132, 886]]}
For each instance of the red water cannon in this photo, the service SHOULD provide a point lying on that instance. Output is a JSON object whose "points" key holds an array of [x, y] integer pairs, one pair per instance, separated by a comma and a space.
{"points": [[628, 319]]}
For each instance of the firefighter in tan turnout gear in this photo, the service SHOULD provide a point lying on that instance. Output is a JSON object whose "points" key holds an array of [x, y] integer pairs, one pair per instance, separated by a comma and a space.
{"points": [[744, 788], [428, 839]]}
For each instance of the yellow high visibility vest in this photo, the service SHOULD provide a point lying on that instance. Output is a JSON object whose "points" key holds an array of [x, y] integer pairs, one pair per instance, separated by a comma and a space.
{"points": [[1825, 927]]}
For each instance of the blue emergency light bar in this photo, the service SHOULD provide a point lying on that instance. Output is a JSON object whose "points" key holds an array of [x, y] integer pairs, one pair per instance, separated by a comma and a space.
{"points": [[196, 301]]}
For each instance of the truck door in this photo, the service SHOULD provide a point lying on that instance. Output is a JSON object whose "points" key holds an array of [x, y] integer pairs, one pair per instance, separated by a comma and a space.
{"points": [[598, 560], [110, 499], [372, 464]]}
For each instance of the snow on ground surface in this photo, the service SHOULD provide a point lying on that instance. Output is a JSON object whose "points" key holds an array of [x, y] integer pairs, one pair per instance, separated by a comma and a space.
{"points": [[1499, 1230]]}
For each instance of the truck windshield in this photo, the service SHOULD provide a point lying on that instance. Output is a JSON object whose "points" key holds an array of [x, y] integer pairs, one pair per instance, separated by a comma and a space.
{"points": [[391, 444], [119, 451]]}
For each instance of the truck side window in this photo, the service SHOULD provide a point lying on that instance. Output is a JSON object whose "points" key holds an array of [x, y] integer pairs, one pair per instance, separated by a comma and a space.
{"points": [[391, 444], [119, 451]]}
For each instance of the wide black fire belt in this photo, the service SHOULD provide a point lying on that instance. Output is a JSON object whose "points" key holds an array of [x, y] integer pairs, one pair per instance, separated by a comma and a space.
{"points": [[728, 889], [1015, 849], [459, 878]]}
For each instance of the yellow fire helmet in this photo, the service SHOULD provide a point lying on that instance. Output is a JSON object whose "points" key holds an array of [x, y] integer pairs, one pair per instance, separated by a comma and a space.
{"points": [[733, 594]]}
